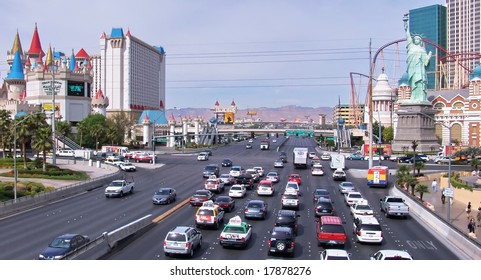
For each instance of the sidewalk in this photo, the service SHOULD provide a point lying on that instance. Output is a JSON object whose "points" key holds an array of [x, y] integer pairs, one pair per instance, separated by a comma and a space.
{"points": [[457, 209]]}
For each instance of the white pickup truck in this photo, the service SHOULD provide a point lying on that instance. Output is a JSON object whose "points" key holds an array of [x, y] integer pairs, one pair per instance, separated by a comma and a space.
{"points": [[394, 206], [119, 188]]}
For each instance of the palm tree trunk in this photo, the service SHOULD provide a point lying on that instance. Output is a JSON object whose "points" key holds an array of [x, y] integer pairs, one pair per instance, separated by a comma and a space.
{"points": [[24, 155], [44, 165]]}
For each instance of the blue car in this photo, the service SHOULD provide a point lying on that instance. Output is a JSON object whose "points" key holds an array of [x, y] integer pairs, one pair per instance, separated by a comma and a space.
{"points": [[60, 246], [355, 157]]}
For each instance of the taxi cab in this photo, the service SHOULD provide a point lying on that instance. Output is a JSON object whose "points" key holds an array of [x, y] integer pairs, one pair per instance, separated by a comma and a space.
{"points": [[209, 215], [236, 233], [317, 169], [214, 184]]}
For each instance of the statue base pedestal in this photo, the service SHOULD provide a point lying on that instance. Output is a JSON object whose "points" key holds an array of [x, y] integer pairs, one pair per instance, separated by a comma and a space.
{"points": [[415, 123]]}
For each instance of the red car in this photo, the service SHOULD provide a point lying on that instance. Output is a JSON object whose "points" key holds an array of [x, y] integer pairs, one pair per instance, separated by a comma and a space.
{"points": [[295, 178], [143, 158], [200, 196]]}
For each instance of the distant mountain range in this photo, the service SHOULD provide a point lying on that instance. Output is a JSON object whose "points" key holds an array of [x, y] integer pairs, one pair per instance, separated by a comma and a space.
{"points": [[289, 113]]}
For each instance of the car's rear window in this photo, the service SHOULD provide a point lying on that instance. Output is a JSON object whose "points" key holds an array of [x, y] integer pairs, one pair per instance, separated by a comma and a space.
{"points": [[205, 212], [176, 237], [289, 196], [254, 205], [333, 228], [371, 227], [281, 234], [234, 229]]}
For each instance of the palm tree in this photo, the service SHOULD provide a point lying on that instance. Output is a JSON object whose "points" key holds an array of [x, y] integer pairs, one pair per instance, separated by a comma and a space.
{"points": [[42, 142], [24, 134], [5, 121], [402, 173], [475, 163], [420, 165], [411, 181], [98, 132], [81, 128], [414, 145], [421, 189], [63, 128]]}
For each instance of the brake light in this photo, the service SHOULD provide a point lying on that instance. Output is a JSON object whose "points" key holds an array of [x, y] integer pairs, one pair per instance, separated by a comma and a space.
{"points": [[261, 211], [187, 244], [382, 234], [358, 233], [269, 243], [215, 219], [292, 244], [246, 210], [221, 238], [165, 243], [242, 239]]}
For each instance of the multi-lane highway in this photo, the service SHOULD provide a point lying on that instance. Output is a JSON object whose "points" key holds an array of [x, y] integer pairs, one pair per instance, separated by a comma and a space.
{"points": [[26, 234]]}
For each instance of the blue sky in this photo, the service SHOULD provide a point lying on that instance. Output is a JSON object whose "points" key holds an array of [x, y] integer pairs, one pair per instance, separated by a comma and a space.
{"points": [[267, 53]]}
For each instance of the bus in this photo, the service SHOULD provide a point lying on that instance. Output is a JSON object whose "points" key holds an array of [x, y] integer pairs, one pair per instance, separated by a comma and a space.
{"points": [[378, 176]]}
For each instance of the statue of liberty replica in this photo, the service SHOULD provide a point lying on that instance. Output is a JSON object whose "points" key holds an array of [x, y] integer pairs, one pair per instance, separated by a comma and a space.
{"points": [[417, 61], [415, 122]]}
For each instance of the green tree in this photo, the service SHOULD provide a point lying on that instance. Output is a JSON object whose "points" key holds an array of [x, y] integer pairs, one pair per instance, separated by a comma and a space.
{"points": [[412, 182], [387, 134], [421, 189], [5, 122], [402, 173], [98, 132], [88, 129], [474, 163], [42, 142], [121, 123], [420, 166], [63, 128]]}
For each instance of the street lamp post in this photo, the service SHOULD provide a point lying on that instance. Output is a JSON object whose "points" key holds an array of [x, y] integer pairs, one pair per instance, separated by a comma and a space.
{"points": [[450, 155]]}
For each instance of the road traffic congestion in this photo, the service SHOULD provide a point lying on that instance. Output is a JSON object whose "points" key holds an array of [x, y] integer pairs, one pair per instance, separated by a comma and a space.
{"points": [[92, 214]]}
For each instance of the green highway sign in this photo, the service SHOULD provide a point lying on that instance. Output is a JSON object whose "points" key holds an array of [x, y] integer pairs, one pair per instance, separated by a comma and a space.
{"points": [[331, 138]]}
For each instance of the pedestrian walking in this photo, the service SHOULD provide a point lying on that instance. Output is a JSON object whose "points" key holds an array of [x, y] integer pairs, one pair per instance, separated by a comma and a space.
{"points": [[434, 185], [443, 197], [478, 216], [468, 209], [471, 225]]}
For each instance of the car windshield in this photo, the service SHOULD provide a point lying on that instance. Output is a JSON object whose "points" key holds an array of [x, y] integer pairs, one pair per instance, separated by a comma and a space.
{"points": [[60, 243], [176, 237], [211, 182], [272, 174], [235, 188], [162, 192], [355, 195]]}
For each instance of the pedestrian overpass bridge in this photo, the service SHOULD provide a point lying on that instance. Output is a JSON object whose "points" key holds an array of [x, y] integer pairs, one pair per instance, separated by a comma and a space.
{"points": [[258, 131]]}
